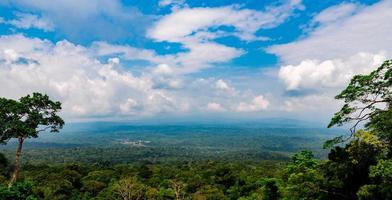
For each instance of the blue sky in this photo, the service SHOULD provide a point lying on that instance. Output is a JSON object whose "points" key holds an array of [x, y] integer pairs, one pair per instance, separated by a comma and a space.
{"points": [[181, 59]]}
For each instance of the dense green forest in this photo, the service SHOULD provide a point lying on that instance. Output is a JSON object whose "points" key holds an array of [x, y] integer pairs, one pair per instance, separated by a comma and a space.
{"points": [[117, 143], [357, 165]]}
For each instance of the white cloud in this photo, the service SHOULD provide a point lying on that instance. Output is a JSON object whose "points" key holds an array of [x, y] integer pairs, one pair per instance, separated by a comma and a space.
{"points": [[126, 52], [174, 4], [351, 40], [196, 28], [28, 21], [202, 55], [222, 86], [199, 56], [183, 23], [163, 69], [167, 82], [86, 86], [345, 40], [216, 107], [368, 30], [114, 61], [317, 103], [91, 86], [315, 74], [128, 105], [336, 13], [257, 104]]}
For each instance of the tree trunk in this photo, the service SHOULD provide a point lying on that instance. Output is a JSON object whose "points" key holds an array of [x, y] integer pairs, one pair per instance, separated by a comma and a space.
{"points": [[15, 175]]}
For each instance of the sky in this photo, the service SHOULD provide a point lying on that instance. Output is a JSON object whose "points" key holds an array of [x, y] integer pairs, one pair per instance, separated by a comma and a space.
{"points": [[190, 59]]}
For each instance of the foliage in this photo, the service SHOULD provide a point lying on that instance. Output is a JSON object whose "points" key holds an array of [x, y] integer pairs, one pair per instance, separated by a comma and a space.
{"points": [[271, 189], [366, 97], [302, 177], [18, 191], [197, 180], [24, 117], [347, 169], [381, 186], [3, 164]]}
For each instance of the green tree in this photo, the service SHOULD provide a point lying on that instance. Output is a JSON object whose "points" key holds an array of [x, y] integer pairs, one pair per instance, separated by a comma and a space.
{"points": [[96, 181], [367, 98], [347, 168], [3, 169], [303, 178], [26, 118], [3, 164], [381, 187], [211, 192], [368, 101], [271, 190], [129, 189], [18, 191]]}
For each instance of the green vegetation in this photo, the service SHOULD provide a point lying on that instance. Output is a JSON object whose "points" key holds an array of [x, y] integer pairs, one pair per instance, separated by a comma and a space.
{"points": [[113, 143], [358, 166], [211, 180], [26, 118]]}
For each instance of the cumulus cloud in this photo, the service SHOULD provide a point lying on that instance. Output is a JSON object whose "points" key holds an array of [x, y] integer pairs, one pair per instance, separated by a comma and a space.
{"points": [[163, 69], [315, 74], [128, 105], [196, 29], [91, 86], [216, 107], [258, 103], [85, 85], [224, 87], [27, 21], [351, 39], [221, 84], [345, 40], [367, 30]]}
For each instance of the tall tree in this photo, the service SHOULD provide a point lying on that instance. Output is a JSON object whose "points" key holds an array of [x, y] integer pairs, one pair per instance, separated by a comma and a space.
{"points": [[368, 102], [368, 98], [26, 118]]}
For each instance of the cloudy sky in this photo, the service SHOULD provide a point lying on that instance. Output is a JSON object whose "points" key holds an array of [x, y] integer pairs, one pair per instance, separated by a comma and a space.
{"points": [[190, 59]]}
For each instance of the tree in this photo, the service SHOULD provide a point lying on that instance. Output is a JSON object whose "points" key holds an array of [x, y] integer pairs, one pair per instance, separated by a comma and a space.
{"points": [[3, 162], [18, 191], [381, 187], [347, 168], [26, 118], [303, 178], [3, 169], [271, 190], [367, 98], [178, 188], [367, 101], [129, 189]]}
